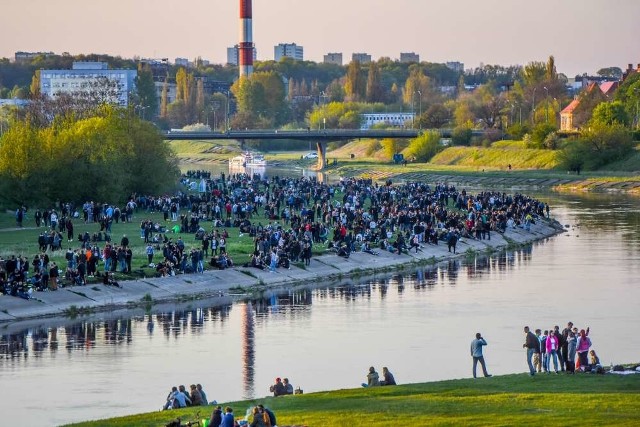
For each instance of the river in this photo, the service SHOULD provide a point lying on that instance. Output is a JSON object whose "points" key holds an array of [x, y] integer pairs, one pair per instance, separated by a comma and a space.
{"points": [[419, 324]]}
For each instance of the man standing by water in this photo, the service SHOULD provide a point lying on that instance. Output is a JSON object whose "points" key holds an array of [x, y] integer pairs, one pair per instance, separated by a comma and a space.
{"points": [[533, 346], [476, 353]]}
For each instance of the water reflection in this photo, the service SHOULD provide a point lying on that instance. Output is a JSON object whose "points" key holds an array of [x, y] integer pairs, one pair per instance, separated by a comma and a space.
{"points": [[294, 305]]}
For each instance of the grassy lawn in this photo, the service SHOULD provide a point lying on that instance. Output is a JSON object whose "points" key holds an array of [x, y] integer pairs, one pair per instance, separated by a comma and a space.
{"points": [[16, 241], [510, 400]]}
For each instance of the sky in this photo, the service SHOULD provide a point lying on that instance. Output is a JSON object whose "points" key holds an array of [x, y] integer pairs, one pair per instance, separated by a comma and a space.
{"points": [[583, 35]]}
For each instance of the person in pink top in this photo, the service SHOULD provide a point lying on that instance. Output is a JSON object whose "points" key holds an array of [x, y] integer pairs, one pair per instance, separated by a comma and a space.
{"points": [[552, 351], [582, 347]]}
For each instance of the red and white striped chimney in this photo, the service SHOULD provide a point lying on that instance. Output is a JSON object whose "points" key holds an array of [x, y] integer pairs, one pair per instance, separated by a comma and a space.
{"points": [[245, 48]]}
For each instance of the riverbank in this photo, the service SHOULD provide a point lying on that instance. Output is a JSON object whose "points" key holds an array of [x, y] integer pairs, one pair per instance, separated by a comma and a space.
{"points": [[503, 400], [240, 282]]}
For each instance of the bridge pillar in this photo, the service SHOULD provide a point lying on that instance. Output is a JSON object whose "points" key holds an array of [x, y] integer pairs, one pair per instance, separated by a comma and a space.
{"points": [[322, 155]]}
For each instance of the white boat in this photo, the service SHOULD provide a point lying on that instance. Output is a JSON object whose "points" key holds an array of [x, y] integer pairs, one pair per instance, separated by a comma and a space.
{"points": [[248, 159]]}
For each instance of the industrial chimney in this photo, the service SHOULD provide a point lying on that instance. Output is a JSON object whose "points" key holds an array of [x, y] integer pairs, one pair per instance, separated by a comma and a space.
{"points": [[245, 50]]}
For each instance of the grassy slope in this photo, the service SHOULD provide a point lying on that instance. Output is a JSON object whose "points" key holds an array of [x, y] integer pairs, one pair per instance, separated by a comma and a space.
{"points": [[507, 400]]}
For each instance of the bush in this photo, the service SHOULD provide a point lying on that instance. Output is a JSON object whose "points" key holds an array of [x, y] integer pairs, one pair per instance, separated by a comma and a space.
{"points": [[551, 141], [461, 136], [540, 132], [424, 147], [372, 147], [517, 131]]}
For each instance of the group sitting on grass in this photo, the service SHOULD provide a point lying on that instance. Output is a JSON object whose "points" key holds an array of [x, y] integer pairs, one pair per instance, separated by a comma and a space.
{"points": [[299, 213], [179, 397]]}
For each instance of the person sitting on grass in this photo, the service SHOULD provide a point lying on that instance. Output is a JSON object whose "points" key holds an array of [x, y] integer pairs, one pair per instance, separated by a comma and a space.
{"points": [[387, 377], [373, 379]]}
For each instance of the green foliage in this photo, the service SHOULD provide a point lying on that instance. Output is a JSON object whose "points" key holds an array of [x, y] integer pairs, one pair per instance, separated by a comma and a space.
{"points": [[146, 92], [461, 135], [539, 134], [608, 113], [355, 85], [105, 157], [600, 145], [518, 131], [436, 116], [424, 147], [340, 115]]}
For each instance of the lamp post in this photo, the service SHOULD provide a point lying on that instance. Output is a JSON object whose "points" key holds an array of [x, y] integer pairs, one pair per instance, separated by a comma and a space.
{"points": [[413, 110], [546, 109]]}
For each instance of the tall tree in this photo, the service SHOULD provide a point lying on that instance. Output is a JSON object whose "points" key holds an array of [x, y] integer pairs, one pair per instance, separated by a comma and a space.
{"points": [[164, 98], [146, 91], [375, 91], [34, 89], [354, 86]]}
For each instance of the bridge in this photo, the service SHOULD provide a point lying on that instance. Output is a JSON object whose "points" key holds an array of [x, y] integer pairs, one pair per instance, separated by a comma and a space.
{"points": [[319, 136]]}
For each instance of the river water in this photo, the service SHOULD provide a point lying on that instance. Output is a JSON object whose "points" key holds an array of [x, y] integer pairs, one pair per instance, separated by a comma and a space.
{"points": [[419, 324]]}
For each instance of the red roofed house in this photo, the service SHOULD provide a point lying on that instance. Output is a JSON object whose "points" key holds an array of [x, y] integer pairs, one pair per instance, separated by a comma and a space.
{"points": [[567, 116]]}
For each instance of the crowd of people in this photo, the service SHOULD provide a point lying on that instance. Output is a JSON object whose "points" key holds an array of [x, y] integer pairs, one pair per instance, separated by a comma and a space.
{"points": [[298, 214], [555, 349]]}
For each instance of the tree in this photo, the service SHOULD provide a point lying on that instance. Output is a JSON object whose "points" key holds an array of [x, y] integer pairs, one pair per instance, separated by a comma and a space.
{"points": [[34, 89], [354, 86], [610, 72], [375, 91], [535, 72], [104, 157], [146, 92], [424, 147], [435, 117], [164, 98], [609, 113]]}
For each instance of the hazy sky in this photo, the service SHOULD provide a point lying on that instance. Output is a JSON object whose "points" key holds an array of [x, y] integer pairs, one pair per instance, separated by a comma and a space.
{"points": [[583, 35]]}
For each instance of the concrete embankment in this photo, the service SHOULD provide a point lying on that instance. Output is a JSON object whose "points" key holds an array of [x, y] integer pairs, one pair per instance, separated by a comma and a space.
{"points": [[223, 286]]}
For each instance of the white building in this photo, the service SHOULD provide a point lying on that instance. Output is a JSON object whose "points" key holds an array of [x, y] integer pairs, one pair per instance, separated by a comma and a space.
{"points": [[388, 119], [333, 58], [91, 79], [363, 58], [288, 50], [233, 55]]}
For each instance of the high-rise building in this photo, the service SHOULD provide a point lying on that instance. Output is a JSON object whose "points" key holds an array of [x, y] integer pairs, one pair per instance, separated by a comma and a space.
{"points": [[407, 57], [182, 62], [233, 55], [333, 58], [362, 58], [289, 50], [91, 79], [455, 66], [28, 56]]}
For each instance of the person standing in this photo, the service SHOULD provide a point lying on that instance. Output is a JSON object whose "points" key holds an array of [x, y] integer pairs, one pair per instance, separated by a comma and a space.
{"points": [[476, 353], [533, 346], [552, 346]]}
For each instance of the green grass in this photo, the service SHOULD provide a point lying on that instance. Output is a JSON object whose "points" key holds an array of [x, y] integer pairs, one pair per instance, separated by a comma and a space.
{"points": [[566, 400]]}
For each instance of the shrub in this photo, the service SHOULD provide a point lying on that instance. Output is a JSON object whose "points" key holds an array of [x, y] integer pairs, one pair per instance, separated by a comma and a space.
{"points": [[461, 136], [540, 132], [424, 147]]}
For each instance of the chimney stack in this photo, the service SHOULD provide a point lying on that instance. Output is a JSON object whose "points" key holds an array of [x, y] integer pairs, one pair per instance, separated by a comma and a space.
{"points": [[245, 49]]}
